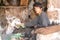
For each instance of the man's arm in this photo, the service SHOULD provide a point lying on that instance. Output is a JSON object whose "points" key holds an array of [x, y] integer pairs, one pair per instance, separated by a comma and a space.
{"points": [[31, 23], [45, 20]]}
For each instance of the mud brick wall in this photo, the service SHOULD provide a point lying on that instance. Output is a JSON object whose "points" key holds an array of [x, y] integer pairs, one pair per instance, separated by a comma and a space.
{"points": [[56, 3], [3, 21], [18, 12]]}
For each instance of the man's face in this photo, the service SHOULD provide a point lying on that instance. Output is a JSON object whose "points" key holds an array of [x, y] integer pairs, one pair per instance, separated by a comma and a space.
{"points": [[38, 10]]}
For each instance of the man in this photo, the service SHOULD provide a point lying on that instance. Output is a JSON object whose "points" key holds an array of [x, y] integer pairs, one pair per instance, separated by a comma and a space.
{"points": [[41, 20]]}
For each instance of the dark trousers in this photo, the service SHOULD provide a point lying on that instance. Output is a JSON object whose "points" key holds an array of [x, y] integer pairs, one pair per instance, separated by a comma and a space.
{"points": [[29, 35]]}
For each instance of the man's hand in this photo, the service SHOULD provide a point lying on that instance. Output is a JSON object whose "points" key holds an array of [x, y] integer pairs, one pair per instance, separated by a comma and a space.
{"points": [[22, 25]]}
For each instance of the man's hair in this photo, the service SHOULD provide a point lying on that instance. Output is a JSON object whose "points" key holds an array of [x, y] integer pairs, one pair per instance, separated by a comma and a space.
{"points": [[37, 4]]}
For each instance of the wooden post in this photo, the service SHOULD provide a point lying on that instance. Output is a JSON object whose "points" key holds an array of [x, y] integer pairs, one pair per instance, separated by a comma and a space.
{"points": [[24, 2]]}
